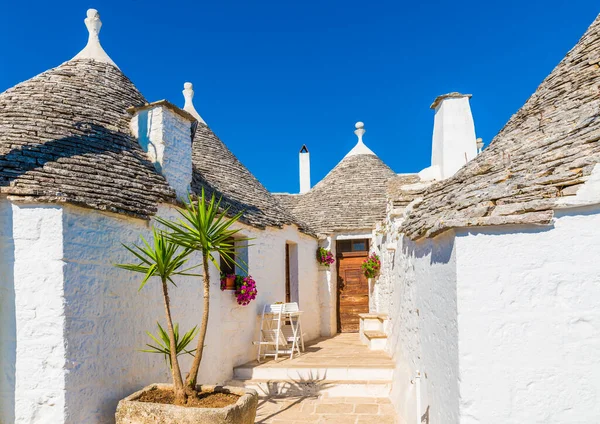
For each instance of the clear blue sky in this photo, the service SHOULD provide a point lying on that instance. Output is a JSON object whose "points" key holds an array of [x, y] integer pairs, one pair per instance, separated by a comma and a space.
{"points": [[273, 75]]}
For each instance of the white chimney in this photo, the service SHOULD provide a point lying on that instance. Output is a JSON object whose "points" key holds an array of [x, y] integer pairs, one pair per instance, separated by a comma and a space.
{"points": [[454, 141], [165, 132], [304, 169]]}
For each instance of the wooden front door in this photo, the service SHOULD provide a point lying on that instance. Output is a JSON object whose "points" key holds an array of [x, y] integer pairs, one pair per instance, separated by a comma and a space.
{"points": [[353, 291]]}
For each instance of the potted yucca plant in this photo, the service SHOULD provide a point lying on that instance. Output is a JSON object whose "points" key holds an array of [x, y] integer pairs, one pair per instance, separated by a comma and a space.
{"points": [[206, 228]]}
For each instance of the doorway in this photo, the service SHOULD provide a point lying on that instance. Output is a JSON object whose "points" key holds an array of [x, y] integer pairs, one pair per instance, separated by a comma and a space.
{"points": [[353, 286], [291, 272]]}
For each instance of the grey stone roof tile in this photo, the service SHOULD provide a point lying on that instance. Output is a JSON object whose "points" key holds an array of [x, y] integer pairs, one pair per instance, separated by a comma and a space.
{"points": [[218, 170], [351, 197], [64, 137], [548, 147]]}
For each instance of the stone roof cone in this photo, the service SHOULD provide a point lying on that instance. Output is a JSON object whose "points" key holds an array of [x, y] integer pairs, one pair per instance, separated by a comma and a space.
{"points": [[217, 170], [542, 156], [79, 148], [350, 197]]}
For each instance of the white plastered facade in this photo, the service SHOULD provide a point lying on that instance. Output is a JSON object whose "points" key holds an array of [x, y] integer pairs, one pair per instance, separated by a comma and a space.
{"points": [[73, 324], [502, 322]]}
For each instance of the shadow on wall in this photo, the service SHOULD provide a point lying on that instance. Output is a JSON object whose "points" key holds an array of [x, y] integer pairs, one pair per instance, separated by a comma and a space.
{"points": [[8, 322], [425, 416], [440, 250]]}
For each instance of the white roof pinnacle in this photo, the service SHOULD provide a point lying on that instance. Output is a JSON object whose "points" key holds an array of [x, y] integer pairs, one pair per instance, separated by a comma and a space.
{"points": [[93, 49], [360, 148], [188, 95]]}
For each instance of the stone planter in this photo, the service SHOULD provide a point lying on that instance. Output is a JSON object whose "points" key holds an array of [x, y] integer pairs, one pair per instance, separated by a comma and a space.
{"points": [[242, 412]]}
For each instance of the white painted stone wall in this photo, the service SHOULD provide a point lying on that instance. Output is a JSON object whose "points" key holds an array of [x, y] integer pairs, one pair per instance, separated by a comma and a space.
{"points": [[80, 321], [266, 263], [328, 280], [502, 323], [166, 137], [8, 329], [39, 311], [328, 291], [422, 328], [529, 322]]}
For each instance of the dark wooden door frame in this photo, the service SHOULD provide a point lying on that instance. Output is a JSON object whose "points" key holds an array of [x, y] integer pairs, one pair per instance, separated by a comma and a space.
{"points": [[288, 286]]}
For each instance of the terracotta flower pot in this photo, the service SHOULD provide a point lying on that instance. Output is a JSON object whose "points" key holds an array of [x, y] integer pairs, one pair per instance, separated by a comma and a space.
{"points": [[230, 283], [242, 412]]}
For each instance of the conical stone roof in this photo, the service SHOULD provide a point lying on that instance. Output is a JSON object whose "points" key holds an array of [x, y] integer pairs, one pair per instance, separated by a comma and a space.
{"points": [[351, 197], [217, 170], [64, 137], [541, 157]]}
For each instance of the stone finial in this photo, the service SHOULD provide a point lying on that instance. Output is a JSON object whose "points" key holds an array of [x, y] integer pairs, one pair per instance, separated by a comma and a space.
{"points": [[93, 49], [188, 95], [360, 130], [360, 148], [479, 145]]}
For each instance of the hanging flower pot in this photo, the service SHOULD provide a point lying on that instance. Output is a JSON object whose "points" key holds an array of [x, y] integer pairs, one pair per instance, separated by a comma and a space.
{"points": [[324, 256], [371, 266]]}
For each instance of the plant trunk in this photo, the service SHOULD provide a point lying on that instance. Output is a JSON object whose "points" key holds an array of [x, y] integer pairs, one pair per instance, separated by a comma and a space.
{"points": [[180, 395], [193, 375]]}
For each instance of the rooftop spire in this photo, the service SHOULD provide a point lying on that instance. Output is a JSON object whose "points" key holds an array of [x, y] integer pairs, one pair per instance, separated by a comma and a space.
{"points": [[93, 49], [360, 148], [188, 95]]}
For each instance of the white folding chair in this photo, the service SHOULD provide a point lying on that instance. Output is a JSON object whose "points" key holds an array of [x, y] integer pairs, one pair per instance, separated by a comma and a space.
{"points": [[275, 334], [292, 311]]}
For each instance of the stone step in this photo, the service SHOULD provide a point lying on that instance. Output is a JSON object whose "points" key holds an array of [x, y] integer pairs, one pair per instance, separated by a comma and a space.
{"points": [[376, 340], [332, 388], [372, 322], [312, 373]]}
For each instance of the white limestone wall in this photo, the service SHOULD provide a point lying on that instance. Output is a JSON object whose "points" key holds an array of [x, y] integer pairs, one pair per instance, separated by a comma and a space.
{"points": [[107, 317], [422, 331], [529, 322], [502, 322], [266, 263], [39, 314], [328, 291], [80, 321], [8, 329]]}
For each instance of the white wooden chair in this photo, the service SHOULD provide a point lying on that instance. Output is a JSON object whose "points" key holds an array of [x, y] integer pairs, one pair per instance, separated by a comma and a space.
{"points": [[293, 313], [276, 337]]}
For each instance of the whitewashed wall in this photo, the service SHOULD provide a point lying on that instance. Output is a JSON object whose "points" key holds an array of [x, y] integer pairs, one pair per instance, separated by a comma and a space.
{"points": [[529, 322], [328, 291], [8, 329], [39, 312], [422, 330], [266, 264], [80, 321], [503, 323]]}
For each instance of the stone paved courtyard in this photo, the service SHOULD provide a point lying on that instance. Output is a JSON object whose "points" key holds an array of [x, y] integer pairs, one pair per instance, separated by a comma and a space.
{"points": [[325, 409]]}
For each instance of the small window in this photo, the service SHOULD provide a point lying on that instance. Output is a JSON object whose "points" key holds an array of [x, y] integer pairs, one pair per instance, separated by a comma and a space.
{"points": [[358, 245], [228, 266]]}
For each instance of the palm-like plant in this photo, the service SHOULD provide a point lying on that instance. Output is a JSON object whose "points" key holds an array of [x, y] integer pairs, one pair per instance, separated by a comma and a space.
{"points": [[163, 259], [205, 227], [162, 343]]}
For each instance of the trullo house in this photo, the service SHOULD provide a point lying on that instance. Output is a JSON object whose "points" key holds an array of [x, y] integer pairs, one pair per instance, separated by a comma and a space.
{"points": [[487, 298]]}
